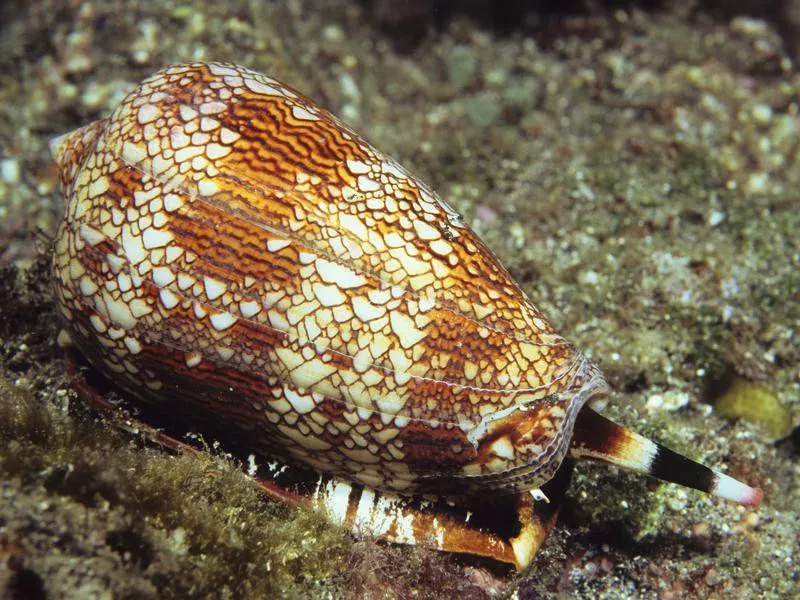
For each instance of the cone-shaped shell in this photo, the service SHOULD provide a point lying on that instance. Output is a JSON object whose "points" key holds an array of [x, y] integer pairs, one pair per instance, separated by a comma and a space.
{"points": [[235, 254]]}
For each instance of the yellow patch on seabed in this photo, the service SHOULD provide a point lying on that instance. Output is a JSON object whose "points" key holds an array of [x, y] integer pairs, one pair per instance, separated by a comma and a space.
{"points": [[756, 404]]}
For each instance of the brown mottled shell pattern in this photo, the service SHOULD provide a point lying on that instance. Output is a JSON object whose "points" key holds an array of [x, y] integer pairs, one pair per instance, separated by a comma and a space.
{"points": [[234, 252]]}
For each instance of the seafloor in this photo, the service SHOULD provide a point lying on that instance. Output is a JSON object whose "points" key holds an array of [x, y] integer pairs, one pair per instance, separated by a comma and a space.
{"points": [[637, 170]]}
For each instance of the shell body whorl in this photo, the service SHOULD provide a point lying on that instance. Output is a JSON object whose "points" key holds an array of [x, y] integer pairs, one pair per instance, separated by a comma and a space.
{"points": [[234, 254]]}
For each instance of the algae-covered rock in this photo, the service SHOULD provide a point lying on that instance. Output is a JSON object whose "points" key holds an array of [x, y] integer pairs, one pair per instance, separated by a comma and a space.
{"points": [[754, 403]]}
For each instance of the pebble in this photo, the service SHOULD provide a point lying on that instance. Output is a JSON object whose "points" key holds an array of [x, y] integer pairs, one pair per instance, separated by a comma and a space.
{"points": [[749, 26], [701, 530], [654, 402], [10, 171], [95, 95], [752, 520], [460, 65], [197, 25], [76, 54], [677, 502], [712, 577], [716, 217], [669, 401], [762, 114], [349, 87], [757, 183], [590, 277], [350, 113], [782, 132], [332, 39], [517, 234], [522, 95], [674, 400], [496, 77], [482, 109], [143, 48]]}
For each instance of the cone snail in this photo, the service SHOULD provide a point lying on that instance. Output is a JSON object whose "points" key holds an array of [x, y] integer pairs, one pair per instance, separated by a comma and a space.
{"points": [[235, 256]]}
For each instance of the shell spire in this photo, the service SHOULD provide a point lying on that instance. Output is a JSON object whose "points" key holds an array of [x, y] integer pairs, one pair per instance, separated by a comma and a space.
{"points": [[69, 149]]}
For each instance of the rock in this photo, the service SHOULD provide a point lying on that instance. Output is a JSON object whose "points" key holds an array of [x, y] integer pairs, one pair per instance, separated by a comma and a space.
{"points": [[460, 64], [483, 109]]}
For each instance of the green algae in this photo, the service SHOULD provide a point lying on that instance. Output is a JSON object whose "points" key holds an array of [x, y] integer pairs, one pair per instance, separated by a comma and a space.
{"points": [[195, 516]]}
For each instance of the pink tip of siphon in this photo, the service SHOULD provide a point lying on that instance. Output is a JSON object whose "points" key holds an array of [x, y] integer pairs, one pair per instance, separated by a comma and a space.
{"points": [[736, 491]]}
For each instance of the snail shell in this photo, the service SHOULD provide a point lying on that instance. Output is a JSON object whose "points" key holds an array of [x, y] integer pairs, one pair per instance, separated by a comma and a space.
{"points": [[235, 256], [234, 252]]}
